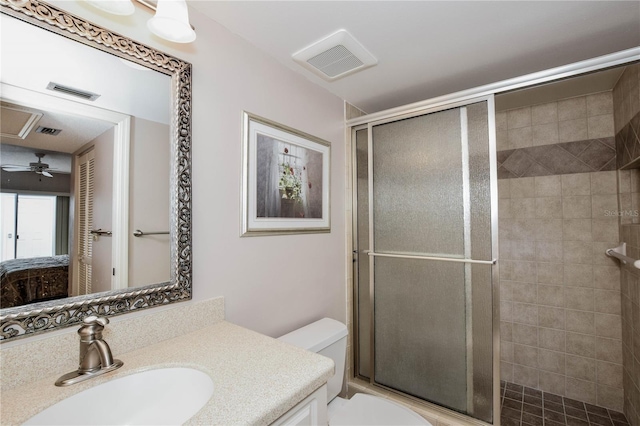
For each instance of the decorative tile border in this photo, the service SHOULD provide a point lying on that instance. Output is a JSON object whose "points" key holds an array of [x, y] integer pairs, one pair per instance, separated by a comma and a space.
{"points": [[592, 155], [628, 142]]}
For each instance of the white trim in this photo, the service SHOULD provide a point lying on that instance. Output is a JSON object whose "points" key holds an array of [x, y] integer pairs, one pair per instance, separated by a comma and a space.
{"points": [[589, 65], [122, 135]]}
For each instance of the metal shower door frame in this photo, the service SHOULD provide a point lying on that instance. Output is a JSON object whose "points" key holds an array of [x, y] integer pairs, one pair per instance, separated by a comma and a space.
{"points": [[371, 254]]}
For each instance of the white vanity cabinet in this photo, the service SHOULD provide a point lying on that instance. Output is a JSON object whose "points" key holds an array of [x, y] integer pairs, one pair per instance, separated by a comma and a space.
{"points": [[310, 411]]}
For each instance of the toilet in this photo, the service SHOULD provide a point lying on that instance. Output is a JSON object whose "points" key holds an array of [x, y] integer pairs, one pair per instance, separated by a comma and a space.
{"points": [[328, 337]]}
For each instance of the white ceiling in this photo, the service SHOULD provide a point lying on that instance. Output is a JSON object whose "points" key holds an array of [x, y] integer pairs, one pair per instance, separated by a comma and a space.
{"points": [[430, 48]]}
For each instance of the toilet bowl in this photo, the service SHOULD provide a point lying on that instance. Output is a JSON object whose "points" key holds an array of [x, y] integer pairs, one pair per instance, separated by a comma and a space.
{"points": [[328, 337]]}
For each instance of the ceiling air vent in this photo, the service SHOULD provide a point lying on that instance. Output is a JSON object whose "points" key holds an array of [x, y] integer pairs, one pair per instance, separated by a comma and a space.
{"points": [[72, 91], [335, 56], [48, 131]]}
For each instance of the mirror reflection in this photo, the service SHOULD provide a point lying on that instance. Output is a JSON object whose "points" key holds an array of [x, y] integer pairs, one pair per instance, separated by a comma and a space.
{"points": [[85, 163]]}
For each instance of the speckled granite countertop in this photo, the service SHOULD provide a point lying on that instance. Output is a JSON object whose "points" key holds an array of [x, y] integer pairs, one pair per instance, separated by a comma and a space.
{"points": [[256, 378]]}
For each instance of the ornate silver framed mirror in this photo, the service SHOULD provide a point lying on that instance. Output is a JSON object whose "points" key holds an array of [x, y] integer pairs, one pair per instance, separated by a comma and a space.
{"points": [[42, 316]]}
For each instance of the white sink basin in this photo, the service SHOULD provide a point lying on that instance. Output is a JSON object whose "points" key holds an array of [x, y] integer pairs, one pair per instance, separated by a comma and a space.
{"points": [[166, 396]]}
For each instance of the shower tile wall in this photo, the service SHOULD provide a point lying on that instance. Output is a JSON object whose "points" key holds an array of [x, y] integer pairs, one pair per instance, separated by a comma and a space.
{"points": [[626, 104], [560, 294]]}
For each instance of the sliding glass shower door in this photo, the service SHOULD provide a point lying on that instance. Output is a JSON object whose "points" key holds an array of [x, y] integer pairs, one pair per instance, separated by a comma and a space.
{"points": [[425, 257]]}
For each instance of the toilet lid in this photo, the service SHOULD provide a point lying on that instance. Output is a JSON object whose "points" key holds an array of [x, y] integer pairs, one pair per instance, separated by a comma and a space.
{"points": [[370, 410]]}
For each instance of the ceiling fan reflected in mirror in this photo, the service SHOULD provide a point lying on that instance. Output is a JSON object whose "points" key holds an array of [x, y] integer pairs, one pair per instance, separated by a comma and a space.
{"points": [[39, 167]]}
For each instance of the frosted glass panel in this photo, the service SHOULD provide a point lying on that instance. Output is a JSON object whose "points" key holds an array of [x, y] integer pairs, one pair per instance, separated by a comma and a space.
{"points": [[420, 329], [417, 181]]}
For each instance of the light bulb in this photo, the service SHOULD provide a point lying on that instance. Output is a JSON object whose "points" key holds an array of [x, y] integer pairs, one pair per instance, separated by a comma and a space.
{"points": [[115, 7]]}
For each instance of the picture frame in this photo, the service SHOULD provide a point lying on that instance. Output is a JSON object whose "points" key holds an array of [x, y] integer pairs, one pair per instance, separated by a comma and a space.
{"points": [[285, 180]]}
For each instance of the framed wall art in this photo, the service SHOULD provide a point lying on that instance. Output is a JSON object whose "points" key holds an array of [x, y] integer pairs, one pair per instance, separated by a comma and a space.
{"points": [[285, 180]]}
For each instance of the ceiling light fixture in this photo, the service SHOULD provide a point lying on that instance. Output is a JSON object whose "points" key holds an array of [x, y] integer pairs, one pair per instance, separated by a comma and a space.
{"points": [[171, 21]]}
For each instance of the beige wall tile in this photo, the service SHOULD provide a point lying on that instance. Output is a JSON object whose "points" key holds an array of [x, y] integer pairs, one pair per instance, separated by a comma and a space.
{"points": [[604, 183], [526, 376], [580, 321], [549, 251], [579, 298], [517, 250], [581, 390], [552, 382], [549, 207], [525, 208], [576, 184], [600, 103], [605, 230], [608, 326], [581, 344], [506, 351], [606, 277], [551, 361], [501, 120], [506, 331], [609, 374], [624, 180], [550, 273], [609, 350], [612, 398], [550, 317], [572, 108], [551, 339], [548, 186], [581, 368], [525, 313], [607, 301], [506, 310], [525, 355], [504, 188], [518, 271], [524, 293], [520, 138], [577, 230], [576, 207], [578, 275], [578, 252], [506, 371], [525, 334], [548, 229], [573, 130], [504, 208], [600, 126], [544, 134], [502, 140], [604, 207], [520, 117], [544, 113], [522, 188], [550, 295]]}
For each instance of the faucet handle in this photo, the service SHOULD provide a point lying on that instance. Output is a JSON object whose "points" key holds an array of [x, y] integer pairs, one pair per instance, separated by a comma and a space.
{"points": [[92, 327], [95, 320]]}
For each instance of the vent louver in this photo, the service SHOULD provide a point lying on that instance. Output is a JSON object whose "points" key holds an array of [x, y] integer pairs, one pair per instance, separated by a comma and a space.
{"points": [[48, 131], [335, 56], [72, 91]]}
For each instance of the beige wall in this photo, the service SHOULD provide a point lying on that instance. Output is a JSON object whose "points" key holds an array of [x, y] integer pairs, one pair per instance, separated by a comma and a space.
{"points": [[149, 202], [270, 284]]}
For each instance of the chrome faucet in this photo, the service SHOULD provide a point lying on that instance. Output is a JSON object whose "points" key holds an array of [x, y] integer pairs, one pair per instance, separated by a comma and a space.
{"points": [[95, 354]]}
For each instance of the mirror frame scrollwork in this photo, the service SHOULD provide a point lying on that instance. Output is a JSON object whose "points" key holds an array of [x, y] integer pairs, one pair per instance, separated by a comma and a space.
{"points": [[37, 318]]}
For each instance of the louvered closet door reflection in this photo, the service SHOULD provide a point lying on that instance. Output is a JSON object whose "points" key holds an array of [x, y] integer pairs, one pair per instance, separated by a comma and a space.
{"points": [[431, 258]]}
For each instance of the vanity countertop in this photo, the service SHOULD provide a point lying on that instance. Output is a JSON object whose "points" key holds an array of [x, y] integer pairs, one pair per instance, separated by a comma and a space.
{"points": [[256, 378]]}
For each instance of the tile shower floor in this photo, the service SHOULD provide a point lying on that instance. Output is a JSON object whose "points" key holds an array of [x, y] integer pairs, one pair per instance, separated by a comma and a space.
{"points": [[523, 406]]}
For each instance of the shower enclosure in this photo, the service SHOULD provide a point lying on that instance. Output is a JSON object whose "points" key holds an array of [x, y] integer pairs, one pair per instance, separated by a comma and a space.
{"points": [[425, 246]]}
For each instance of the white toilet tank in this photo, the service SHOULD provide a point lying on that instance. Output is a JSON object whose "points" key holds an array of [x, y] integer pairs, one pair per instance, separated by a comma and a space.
{"points": [[326, 337]]}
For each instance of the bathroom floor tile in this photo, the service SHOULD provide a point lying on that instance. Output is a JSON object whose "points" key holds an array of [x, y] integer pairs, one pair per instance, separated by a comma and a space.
{"points": [[523, 406]]}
